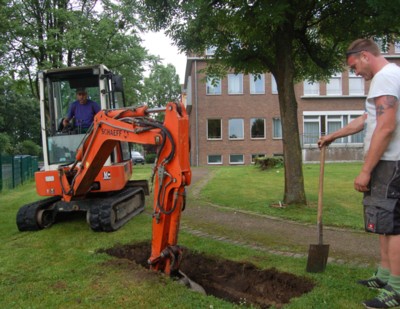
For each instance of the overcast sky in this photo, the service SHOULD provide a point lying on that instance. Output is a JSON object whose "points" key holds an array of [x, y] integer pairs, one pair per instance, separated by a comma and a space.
{"points": [[160, 45]]}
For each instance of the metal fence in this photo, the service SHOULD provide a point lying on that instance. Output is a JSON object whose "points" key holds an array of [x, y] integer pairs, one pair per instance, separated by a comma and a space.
{"points": [[16, 170]]}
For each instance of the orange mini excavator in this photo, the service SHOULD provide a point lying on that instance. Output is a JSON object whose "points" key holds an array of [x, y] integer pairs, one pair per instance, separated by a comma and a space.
{"points": [[91, 171]]}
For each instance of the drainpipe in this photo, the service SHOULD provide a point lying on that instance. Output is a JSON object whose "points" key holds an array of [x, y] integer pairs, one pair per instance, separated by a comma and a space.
{"points": [[196, 113]]}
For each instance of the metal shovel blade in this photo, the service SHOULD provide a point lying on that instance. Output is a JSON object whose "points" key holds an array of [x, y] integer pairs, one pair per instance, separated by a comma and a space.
{"points": [[185, 280], [318, 254], [317, 258]]}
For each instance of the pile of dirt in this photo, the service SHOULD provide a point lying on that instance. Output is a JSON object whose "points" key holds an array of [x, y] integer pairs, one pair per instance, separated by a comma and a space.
{"points": [[236, 282]]}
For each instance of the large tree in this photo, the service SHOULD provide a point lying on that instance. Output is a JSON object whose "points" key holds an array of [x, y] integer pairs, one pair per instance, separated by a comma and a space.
{"points": [[292, 39], [41, 34], [161, 86], [19, 113]]}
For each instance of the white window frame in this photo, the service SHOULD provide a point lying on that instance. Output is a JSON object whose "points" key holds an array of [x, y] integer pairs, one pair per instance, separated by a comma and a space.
{"points": [[310, 88], [242, 129], [211, 89], [257, 82], [214, 163], [356, 90], [236, 163], [379, 42], [331, 88], [251, 126], [276, 121], [235, 83], [214, 139], [313, 119], [397, 47], [358, 136], [274, 85], [344, 117]]}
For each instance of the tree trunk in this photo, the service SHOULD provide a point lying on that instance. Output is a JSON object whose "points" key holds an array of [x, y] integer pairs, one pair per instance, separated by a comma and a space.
{"points": [[284, 75]]}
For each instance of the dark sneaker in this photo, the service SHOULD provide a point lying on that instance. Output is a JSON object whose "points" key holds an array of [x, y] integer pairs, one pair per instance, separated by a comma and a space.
{"points": [[372, 283], [388, 298]]}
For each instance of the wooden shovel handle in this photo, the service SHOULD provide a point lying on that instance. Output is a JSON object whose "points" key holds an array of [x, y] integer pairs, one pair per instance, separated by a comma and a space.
{"points": [[320, 193]]}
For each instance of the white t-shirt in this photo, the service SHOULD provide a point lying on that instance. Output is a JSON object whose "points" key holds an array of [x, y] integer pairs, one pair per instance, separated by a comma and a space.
{"points": [[385, 82]]}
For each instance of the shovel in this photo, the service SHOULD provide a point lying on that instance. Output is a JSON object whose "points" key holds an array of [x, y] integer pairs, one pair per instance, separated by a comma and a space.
{"points": [[318, 254]]}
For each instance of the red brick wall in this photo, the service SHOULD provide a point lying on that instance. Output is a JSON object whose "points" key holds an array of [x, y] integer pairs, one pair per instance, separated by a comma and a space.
{"points": [[247, 106]]}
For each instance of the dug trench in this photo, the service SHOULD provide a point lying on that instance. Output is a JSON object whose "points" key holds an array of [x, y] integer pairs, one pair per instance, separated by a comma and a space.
{"points": [[236, 282]]}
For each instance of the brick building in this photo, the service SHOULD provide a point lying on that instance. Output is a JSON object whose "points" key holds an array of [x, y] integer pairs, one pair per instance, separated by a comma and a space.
{"points": [[237, 118]]}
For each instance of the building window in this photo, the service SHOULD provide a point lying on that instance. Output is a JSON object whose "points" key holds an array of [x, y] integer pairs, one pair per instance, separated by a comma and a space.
{"points": [[236, 159], [235, 83], [213, 86], [312, 129], [334, 85], [382, 45], [397, 47], [214, 129], [334, 123], [236, 128], [310, 88], [210, 51], [274, 85], [317, 124], [358, 137], [257, 126], [356, 84], [214, 159], [257, 83], [277, 126]]}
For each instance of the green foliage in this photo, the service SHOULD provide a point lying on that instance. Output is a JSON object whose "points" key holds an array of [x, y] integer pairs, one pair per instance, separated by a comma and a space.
{"points": [[37, 35], [5, 144], [28, 147], [53, 34], [315, 33], [150, 157], [265, 163], [162, 86], [19, 112]]}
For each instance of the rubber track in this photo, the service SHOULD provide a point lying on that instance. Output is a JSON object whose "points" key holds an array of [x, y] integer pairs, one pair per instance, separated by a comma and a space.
{"points": [[101, 213], [26, 215]]}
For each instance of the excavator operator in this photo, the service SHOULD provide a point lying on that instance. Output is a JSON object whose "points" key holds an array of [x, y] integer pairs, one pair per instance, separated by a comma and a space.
{"points": [[82, 111]]}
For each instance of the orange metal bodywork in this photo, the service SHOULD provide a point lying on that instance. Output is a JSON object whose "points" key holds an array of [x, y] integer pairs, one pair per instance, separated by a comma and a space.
{"points": [[172, 170], [48, 183], [166, 222]]}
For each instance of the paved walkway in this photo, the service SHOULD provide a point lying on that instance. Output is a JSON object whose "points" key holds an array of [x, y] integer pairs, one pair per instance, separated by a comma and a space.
{"points": [[270, 234]]}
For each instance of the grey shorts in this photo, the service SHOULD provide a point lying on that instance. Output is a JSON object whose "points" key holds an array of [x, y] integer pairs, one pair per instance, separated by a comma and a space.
{"points": [[381, 203]]}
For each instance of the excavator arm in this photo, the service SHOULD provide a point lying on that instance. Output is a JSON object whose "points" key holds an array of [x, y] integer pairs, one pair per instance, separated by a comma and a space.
{"points": [[111, 201], [171, 170]]}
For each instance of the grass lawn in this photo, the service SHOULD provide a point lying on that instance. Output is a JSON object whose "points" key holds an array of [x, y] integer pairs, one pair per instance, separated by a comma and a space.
{"points": [[250, 189], [59, 267]]}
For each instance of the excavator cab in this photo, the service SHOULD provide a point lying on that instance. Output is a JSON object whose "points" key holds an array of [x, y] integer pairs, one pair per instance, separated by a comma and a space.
{"points": [[57, 91]]}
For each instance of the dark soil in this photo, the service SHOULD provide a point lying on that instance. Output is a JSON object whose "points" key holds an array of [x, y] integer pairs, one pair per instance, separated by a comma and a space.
{"points": [[237, 282]]}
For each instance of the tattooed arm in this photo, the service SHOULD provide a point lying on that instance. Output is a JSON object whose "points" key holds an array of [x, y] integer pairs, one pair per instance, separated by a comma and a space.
{"points": [[386, 110]]}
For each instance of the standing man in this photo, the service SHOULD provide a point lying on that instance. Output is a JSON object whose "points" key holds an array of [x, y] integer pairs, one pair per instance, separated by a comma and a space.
{"points": [[82, 110], [379, 178]]}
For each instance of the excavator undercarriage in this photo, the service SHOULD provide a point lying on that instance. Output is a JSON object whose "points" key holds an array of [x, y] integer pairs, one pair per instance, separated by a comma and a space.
{"points": [[105, 212]]}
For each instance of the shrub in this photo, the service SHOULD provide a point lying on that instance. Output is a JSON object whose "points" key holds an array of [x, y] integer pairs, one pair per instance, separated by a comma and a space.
{"points": [[265, 163], [150, 157]]}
